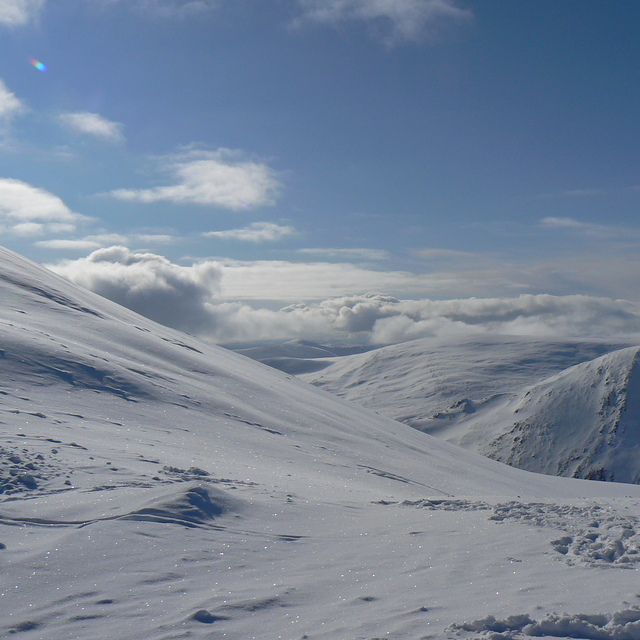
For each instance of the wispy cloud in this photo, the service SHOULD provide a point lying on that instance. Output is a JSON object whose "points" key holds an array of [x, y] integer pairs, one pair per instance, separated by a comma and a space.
{"points": [[165, 8], [27, 210], [155, 238], [69, 245], [15, 13], [257, 232], [583, 193], [93, 124], [101, 240], [346, 254], [397, 20], [221, 178], [600, 231], [10, 105]]}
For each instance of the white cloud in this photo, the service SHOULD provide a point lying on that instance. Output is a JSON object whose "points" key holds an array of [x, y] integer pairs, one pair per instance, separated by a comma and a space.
{"points": [[88, 243], [149, 284], [219, 178], [14, 13], [10, 106], [346, 254], [97, 241], [290, 281], [189, 298], [27, 210], [155, 238], [398, 20], [68, 245], [255, 232], [94, 125]]}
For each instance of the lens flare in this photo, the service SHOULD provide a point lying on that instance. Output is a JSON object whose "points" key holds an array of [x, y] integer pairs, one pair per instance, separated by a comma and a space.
{"points": [[38, 65]]}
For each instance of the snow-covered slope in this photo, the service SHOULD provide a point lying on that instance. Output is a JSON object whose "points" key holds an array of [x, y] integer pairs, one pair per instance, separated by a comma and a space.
{"points": [[546, 406], [156, 487], [583, 422]]}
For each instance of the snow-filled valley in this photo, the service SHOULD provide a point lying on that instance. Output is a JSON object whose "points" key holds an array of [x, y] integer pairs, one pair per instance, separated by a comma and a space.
{"points": [[156, 487]]}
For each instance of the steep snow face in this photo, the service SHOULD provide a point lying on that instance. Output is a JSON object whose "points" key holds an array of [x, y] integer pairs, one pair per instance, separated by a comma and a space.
{"points": [[583, 422], [479, 393], [152, 486]]}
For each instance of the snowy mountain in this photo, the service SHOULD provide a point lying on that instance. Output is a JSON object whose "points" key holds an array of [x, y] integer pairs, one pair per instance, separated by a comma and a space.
{"points": [[156, 487], [551, 407], [583, 422]]}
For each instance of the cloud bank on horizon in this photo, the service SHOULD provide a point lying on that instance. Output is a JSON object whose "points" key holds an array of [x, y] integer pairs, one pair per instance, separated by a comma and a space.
{"points": [[190, 298]]}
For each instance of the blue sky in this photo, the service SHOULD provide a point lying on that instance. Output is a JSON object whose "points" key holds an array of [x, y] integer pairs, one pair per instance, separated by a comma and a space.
{"points": [[298, 151]]}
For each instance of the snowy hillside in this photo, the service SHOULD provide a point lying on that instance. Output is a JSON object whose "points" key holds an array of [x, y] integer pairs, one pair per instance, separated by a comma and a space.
{"points": [[546, 406], [159, 488], [583, 422]]}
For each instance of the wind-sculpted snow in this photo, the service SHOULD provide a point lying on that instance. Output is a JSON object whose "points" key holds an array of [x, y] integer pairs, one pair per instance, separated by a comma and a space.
{"points": [[156, 487]]}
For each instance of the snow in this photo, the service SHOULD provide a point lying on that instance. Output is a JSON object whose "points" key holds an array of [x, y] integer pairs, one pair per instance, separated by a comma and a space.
{"points": [[561, 408], [157, 487]]}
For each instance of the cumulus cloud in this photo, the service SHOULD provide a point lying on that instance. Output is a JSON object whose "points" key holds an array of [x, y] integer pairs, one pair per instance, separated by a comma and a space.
{"points": [[149, 284], [27, 210], [190, 298], [397, 20], [219, 178], [93, 124], [15, 13], [256, 232], [541, 315]]}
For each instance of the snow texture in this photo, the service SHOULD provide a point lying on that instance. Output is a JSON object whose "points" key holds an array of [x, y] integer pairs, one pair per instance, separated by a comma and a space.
{"points": [[157, 487], [560, 408]]}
